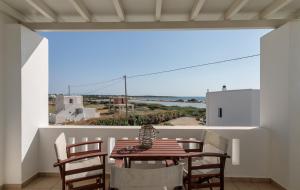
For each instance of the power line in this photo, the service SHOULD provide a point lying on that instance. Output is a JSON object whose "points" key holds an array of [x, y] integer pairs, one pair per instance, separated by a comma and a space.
{"points": [[193, 66], [164, 71], [104, 87], [96, 83]]}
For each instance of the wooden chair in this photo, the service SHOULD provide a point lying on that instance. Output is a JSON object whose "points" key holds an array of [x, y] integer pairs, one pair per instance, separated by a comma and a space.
{"points": [[85, 166], [166, 178], [203, 167], [185, 144]]}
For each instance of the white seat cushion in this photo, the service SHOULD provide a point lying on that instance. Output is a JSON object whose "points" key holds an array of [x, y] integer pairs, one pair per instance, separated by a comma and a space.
{"points": [[146, 179], [60, 147], [213, 143], [200, 162], [83, 164]]}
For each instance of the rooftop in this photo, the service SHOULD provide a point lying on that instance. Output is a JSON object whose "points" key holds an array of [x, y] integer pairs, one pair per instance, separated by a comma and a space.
{"points": [[235, 90]]}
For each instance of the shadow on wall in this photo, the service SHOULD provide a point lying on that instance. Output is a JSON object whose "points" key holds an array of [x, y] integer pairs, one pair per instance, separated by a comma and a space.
{"points": [[34, 96], [31, 97], [30, 43], [30, 168]]}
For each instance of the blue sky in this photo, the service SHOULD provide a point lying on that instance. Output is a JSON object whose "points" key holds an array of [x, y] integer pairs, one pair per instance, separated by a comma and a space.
{"points": [[89, 57]]}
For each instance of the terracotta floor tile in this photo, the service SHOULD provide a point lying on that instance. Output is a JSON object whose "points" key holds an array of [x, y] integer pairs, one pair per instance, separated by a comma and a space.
{"points": [[54, 183]]}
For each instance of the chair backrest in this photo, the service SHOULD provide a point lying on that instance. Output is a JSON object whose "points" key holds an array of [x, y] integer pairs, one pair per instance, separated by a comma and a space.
{"points": [[215, 143], [61, 147], [146, 179]]}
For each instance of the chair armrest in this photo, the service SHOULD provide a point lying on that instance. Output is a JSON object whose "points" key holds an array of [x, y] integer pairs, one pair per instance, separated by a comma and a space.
{"points": [[84, 143], [79, 153], [207, 154], [199, 143], [76, 158]]}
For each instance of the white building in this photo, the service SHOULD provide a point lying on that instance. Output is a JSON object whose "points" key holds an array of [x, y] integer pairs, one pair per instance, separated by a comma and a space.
{"points": [[70, 108], [232, 108]]}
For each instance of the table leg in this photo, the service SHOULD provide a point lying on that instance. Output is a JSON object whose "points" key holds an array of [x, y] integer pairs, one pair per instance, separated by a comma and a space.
{"points": [[129, 162], [126, 162]]}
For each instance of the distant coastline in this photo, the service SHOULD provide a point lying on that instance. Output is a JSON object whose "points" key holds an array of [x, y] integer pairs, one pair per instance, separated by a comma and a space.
{"points": [[148, 97], [192, 99], [181, 101], [169, 97]]}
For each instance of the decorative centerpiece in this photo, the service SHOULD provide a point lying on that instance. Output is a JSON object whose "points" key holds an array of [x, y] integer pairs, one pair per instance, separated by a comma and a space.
{"points": [[147, 134]]}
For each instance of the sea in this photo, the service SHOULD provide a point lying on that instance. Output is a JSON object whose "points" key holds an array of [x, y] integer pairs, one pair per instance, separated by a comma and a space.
{"points": [[170, 100]]}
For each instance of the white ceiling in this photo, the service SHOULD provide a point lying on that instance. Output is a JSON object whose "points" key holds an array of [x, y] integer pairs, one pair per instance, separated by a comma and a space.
{"points": [[139, 14]]}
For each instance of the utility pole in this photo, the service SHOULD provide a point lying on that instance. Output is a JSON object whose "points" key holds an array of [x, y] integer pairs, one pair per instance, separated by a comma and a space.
{"points": [[69, 90], [126, 106]]}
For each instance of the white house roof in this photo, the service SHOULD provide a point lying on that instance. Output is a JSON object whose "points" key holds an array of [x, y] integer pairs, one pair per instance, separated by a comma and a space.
{"points": [[235, 90], [150, 14]]}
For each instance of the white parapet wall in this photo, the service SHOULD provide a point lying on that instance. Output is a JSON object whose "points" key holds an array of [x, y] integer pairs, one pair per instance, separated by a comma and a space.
{"points": [[254, 143]]}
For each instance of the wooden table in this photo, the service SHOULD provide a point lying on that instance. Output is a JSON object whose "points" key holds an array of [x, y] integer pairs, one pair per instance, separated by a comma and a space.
{"points": [[161, 150]]}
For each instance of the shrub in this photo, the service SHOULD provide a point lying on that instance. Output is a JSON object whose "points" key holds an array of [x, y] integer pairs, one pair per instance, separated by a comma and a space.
{"points": [[155, 118]]}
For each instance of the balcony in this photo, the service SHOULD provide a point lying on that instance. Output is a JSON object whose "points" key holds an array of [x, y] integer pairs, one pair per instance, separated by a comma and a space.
{"points": [[252, 168], [269, 154]]}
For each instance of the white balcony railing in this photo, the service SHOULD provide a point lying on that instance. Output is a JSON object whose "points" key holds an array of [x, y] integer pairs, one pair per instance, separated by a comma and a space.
{"points": [[254, 144]]}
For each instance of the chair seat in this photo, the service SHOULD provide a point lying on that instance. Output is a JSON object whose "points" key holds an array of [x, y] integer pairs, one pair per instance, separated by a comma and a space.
{"points": [[200, 162], [83, 164]]}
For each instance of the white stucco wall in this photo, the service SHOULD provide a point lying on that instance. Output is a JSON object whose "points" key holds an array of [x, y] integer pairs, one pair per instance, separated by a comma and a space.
{"points": [[34, 82], [2, 37], [63, 102], [1, 97], [66, 111], [280, 105], [240, 108], [294, 103], [12, 106], [3, 21], [25, 89]]}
